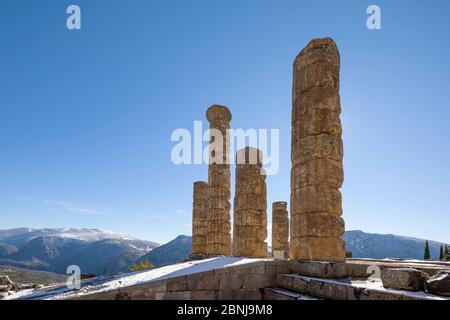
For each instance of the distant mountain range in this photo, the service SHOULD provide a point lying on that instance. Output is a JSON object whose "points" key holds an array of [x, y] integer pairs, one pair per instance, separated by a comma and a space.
{"points": [[380, 246], [105, 252]]}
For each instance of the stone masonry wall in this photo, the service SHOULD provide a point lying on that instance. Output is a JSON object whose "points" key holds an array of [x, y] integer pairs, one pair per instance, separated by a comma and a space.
{"points": [[241, 282]]}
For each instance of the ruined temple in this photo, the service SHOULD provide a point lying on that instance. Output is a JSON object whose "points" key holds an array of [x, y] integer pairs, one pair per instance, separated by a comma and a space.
{"points": [[316, 224], [316, 268]]}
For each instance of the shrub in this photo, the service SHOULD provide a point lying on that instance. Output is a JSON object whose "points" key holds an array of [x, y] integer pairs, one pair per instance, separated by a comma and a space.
{"points": [[144, 265]]}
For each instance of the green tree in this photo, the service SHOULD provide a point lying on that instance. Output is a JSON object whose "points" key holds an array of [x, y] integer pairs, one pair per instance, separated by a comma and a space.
{"points": [[426, 254], [441, 254], [144, 265]]}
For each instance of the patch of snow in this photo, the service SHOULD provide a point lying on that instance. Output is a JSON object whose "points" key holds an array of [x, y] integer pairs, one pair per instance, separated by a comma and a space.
{"points": [[327, 280], [146, 249], [89, 234], [378, 286]]}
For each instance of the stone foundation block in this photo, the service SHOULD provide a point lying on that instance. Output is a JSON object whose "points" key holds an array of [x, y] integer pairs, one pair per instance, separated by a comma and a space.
{"points": [[318, 249]]}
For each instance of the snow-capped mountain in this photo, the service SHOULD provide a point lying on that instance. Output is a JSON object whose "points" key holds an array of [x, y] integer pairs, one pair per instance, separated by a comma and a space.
{"points": [[95, 251], [25, 234]]}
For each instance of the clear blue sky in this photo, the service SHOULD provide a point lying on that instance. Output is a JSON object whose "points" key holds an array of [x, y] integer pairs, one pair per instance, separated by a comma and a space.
{"points": [[86, 115]]}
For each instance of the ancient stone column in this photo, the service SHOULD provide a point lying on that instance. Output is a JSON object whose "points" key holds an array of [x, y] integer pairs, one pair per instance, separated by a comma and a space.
{"points": [[280, 231], [219, 227], [199, 217], [316, 155], [250, 205]]}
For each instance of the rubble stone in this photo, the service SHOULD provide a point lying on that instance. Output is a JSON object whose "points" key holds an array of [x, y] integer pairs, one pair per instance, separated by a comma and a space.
{"points": [[404, 279], [439, 284]]}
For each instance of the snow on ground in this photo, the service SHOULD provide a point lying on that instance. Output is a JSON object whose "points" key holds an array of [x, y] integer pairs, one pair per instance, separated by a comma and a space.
{"points": [[123, 280]]}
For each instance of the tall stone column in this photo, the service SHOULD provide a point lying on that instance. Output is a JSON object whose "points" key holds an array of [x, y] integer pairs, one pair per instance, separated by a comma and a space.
{"points": [[280, 230], [218, 230], [250, 205], [199, 218], [316, 155]]}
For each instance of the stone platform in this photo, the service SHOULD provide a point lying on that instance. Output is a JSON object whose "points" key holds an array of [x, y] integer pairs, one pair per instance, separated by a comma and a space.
{"points": [[232, 278]]}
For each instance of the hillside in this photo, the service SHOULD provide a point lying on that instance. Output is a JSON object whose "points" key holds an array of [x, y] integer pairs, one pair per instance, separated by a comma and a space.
{"points": [[379, 246], [170, 253], [25, 276]]}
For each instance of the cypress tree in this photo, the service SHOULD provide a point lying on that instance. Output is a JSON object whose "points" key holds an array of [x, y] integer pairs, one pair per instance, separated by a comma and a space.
{"points": [[441, 254], [426, 254]]}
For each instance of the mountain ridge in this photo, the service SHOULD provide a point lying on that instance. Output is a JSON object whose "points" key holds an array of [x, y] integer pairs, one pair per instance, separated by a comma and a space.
{"points": [[172, 252], [379, 246]]}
